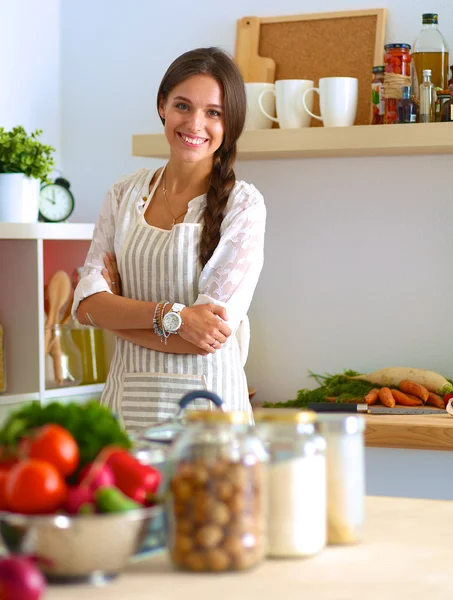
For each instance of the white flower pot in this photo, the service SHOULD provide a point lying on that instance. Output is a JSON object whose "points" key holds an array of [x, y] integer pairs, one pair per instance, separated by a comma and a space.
{"points": [[19, 198]]}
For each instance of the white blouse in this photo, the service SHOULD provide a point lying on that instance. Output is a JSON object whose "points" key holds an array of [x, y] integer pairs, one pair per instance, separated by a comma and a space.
{"points": [[230, 276]]}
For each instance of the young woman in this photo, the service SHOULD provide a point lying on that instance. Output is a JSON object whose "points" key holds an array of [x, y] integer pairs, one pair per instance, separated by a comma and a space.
{"points": [[177, 253]]}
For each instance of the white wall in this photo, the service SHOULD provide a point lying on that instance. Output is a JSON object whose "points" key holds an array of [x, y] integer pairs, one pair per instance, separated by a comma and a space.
{"points": [[30, 67], [358, 252]]}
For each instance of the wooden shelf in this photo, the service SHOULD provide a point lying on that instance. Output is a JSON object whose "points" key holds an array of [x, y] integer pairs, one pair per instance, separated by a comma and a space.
{"points": [[325, 142], [46, 231]]}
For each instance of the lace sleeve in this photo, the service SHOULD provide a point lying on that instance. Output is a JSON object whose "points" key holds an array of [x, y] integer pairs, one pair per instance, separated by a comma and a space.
{"points": [[231, 275], [92, 280]]}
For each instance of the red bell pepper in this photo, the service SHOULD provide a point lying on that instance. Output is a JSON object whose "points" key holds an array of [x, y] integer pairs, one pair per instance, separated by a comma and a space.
{"points": [[447, 397], [139, 482]]}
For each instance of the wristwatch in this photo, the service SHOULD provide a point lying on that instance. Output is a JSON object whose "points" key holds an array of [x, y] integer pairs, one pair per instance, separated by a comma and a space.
{"points": [[172, 321]]}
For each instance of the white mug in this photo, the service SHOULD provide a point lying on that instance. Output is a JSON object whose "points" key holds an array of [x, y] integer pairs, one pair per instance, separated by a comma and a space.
{"points": [[255, 118], [291, 113], [337, 100]]}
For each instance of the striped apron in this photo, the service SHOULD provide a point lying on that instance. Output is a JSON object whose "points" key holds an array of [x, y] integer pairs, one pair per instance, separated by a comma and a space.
{"points": [[144, 386]]}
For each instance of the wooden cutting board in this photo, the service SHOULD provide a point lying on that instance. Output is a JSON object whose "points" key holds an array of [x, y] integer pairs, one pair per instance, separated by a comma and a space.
{"points": [[254, 68]]}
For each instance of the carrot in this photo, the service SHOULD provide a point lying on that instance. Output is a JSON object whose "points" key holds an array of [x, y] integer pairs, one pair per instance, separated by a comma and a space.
{"points": [[405, 400], [372, 397], [410, 387], [385, 396], [435, 400]]}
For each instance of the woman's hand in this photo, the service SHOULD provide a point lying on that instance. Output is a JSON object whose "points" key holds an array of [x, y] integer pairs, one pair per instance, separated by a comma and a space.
{"points": [[204, 325], [111, 274]]}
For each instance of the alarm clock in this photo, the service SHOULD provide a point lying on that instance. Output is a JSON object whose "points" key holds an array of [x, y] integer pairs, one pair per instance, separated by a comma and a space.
{"points": [[56, 202]]}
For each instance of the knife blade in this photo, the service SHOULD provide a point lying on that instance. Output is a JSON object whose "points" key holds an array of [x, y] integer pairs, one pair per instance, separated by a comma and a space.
{"points": [[345, 407]]}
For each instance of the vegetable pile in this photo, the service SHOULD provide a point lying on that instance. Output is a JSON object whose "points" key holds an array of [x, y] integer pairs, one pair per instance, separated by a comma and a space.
{"points": [[72, 459], [392, 386]]}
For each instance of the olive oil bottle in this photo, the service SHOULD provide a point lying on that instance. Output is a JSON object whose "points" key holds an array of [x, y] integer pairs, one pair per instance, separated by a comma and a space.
{"points": [[430, 51]]}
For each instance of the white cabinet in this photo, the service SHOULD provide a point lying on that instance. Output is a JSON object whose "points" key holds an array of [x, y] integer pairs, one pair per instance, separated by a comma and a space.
{"points": [[29, 254]]}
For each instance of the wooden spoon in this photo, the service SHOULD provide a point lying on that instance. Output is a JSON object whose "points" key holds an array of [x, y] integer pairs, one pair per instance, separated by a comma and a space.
{"points": [[58, 290]]}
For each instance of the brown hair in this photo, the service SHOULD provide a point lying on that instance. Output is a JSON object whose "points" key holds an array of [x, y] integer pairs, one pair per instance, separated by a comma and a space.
{"points": [[219, 65]]}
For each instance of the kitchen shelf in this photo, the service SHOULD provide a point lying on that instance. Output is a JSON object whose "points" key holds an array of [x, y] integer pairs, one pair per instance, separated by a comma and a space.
{"points": [[46, 231], [18, 398], [78, 390], [29, 254], [325, 142]]}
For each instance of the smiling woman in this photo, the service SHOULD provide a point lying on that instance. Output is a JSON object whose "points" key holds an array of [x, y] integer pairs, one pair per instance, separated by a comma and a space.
{"points": [[177, 253]]}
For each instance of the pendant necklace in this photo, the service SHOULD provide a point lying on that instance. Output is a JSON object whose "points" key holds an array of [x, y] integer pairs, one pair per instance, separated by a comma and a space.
{"points": [[164, 189]]}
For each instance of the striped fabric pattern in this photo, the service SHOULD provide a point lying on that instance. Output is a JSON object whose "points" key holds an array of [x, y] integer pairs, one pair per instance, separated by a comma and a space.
{"points": [[144, 386]]}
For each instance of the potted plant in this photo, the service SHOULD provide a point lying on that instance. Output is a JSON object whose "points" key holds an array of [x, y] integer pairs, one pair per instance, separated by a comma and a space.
{"points": [[25, 162]]}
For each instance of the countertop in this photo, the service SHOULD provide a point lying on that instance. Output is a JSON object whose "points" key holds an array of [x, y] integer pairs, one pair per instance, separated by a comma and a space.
{"points": [[407, 554], [421, 432]]}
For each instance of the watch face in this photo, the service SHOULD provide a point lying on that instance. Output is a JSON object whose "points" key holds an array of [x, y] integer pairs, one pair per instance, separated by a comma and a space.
{"points": [[56, 203], [172, 321]]}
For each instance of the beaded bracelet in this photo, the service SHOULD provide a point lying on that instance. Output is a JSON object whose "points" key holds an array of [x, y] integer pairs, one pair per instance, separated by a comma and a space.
{"points": [[165, 335], [156, 325]]}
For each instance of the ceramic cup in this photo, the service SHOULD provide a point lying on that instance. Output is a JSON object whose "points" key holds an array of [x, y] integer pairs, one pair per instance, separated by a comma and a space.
{"points": [[291, 113], [255, 118], [337, 100]]}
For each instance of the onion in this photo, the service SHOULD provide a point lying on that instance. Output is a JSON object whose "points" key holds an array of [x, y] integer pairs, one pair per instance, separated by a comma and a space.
{"points": [[20, 578]]}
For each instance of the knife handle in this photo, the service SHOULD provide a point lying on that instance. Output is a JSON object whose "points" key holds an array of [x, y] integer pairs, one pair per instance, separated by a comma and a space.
{"points": [[343, 407]]}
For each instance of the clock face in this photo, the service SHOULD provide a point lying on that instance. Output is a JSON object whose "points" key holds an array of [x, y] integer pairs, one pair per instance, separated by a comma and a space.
{"points": [[56, 203], [172, 321]]}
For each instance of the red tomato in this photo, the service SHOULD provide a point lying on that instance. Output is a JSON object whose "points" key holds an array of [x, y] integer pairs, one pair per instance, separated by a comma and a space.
{"points": [[54, 444], [35, 487]]}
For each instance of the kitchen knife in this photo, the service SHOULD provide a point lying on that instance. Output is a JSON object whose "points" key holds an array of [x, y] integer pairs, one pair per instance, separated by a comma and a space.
{"points": [[345, 407]]}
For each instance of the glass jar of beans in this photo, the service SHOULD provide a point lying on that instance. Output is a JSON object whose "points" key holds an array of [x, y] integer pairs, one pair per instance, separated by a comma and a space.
{"points": [[216, 500]]}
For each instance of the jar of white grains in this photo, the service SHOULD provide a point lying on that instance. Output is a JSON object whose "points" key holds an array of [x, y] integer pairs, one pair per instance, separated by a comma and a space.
{"points": [[216, 513], [296, 523], [345, 476]]}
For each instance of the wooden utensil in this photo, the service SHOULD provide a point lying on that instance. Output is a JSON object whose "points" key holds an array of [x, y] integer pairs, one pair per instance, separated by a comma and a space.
{"points": [[254, 68], [58, 290]]}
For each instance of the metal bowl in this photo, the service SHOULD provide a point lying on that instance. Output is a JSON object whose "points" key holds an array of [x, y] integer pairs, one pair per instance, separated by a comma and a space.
{"points": [[83, 547]]}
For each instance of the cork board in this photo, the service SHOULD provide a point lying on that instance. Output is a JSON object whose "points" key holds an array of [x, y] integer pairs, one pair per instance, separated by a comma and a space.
{"points": [[313, 46]]}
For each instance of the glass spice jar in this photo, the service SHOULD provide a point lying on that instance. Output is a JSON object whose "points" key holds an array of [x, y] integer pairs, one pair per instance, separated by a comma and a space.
{"points": [[345, 476], [377, 96], [216, 511], [442, 97], [296, 520], [397, 59], [446, 113]]}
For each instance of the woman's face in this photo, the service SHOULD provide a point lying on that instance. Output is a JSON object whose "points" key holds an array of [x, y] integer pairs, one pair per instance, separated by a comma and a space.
{"points": [[193, 114]]}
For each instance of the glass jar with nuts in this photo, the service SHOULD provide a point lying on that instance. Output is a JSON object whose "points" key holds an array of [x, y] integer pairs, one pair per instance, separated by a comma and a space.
{"points": [[217, 494]]}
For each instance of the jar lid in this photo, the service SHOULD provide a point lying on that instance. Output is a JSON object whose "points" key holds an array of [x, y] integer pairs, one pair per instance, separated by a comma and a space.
{"points": [[397, 46], [285, 415], [379, 69], [340, 423], [235, 417]]}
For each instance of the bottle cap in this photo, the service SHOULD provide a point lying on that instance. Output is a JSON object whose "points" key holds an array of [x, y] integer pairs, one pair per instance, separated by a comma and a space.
{"points": [[379, 69], [427, 72], [430, 18]]}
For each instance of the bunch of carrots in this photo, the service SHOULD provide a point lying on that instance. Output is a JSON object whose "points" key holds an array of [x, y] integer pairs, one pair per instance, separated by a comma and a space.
{"points": [[409, 393]]}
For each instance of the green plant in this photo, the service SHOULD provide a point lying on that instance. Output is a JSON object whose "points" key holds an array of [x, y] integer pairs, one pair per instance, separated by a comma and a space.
{"points": [[22, 153]]}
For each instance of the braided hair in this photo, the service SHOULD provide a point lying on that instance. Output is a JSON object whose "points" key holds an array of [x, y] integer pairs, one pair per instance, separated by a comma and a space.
{"points": [[219, 65]]}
